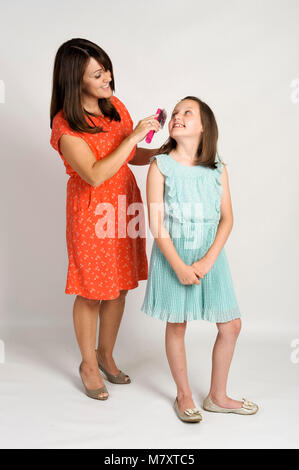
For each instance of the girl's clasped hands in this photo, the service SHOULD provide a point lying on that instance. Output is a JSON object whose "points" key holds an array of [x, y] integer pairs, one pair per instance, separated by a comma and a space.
{"points": [[191, 274]]}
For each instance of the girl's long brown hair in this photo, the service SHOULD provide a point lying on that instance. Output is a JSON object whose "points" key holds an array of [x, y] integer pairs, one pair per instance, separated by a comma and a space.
{"points": [[207, 148], [69, 66]]}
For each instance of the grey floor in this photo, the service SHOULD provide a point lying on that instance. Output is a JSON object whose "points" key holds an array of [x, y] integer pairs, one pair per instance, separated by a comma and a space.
{"points": [[43, 405]]}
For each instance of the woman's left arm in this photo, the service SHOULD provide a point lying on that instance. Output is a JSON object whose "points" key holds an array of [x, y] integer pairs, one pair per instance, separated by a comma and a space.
{"points": [[143, 156]]}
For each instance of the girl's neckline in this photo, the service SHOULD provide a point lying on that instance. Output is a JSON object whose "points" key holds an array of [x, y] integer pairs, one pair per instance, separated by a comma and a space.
{"points": [[181, 164]]}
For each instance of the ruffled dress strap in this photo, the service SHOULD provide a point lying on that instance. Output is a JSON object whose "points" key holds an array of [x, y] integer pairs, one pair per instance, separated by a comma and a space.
{"points": [[218, 175], [163, 164], [166, 169]]}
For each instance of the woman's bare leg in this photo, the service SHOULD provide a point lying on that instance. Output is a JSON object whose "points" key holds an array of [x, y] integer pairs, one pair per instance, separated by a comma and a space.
{"points": [[221, 359], [111, 312], [85, 315], [176, 355]]}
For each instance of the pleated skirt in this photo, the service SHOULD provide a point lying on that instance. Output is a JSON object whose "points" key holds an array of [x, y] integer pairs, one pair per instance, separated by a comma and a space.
{"points": [[166, 298]]}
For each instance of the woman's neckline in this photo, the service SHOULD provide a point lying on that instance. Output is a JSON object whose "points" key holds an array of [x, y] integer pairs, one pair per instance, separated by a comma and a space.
{"points": [[94, 115]]}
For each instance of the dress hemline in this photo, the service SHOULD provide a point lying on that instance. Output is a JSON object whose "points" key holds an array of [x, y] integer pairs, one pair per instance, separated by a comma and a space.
{"points": [[69, 291], [223, 317]]}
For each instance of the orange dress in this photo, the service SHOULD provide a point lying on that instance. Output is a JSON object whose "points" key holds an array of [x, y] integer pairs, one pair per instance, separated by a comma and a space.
{"points": [[103, 261]]}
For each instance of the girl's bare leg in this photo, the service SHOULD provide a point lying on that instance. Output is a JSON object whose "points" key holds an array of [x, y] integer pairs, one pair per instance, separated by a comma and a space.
{"points": [[111, 312], [176, 355], [85, 315], [221, 359]]}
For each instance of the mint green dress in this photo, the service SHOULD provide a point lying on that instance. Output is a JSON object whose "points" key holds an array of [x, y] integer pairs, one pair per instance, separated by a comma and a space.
{"points": [[192, 196]]}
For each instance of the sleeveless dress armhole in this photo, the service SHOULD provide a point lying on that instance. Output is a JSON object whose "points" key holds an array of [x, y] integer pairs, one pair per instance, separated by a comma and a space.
{"points": [[162, 164], [219, 171]]}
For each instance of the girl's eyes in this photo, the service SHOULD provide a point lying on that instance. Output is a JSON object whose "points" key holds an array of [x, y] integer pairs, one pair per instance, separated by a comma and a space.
{"points": [[98, 76], [185, 112]]}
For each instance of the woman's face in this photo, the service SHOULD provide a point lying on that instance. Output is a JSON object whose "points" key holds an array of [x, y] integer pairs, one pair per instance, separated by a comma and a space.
{"points": [[96, 81], [185, 120]]}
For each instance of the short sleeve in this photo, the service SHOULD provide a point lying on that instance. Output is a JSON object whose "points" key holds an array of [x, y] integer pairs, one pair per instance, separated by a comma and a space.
{"points": [[59, 127]]}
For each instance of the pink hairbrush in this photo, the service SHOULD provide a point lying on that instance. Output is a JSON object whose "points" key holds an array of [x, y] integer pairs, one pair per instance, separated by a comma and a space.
{"points": [[161, 118]]}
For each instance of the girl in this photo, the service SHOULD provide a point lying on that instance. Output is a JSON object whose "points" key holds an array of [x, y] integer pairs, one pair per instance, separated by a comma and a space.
{"points": [[190, 216]]}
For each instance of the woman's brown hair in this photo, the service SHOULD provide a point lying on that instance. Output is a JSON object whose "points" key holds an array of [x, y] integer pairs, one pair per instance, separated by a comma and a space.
{"points": [[69, 66], [207, 148]]}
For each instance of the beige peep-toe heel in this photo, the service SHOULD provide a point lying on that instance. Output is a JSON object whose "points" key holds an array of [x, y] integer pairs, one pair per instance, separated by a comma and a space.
{"points": [[94, 393], [119, 378]]}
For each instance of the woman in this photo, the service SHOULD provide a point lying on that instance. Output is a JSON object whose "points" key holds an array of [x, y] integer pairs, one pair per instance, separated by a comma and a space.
{"points": [[93, 132]]}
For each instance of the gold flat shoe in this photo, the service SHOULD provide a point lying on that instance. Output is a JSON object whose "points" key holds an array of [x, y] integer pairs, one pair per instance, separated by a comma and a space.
{"points": [[119, 378], [248, 407], [94, 393], [190, 415]]}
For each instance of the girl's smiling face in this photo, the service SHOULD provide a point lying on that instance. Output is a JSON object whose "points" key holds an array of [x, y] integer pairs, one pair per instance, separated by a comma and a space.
{"points": [[185, 120]]}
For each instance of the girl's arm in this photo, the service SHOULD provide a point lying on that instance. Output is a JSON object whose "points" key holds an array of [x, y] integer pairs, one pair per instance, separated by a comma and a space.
{"points": [[224, 227], [155, 204], [226, 219]]}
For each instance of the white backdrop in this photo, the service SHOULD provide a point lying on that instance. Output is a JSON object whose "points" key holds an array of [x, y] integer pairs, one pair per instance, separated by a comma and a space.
{"points": [[241, 57]]}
